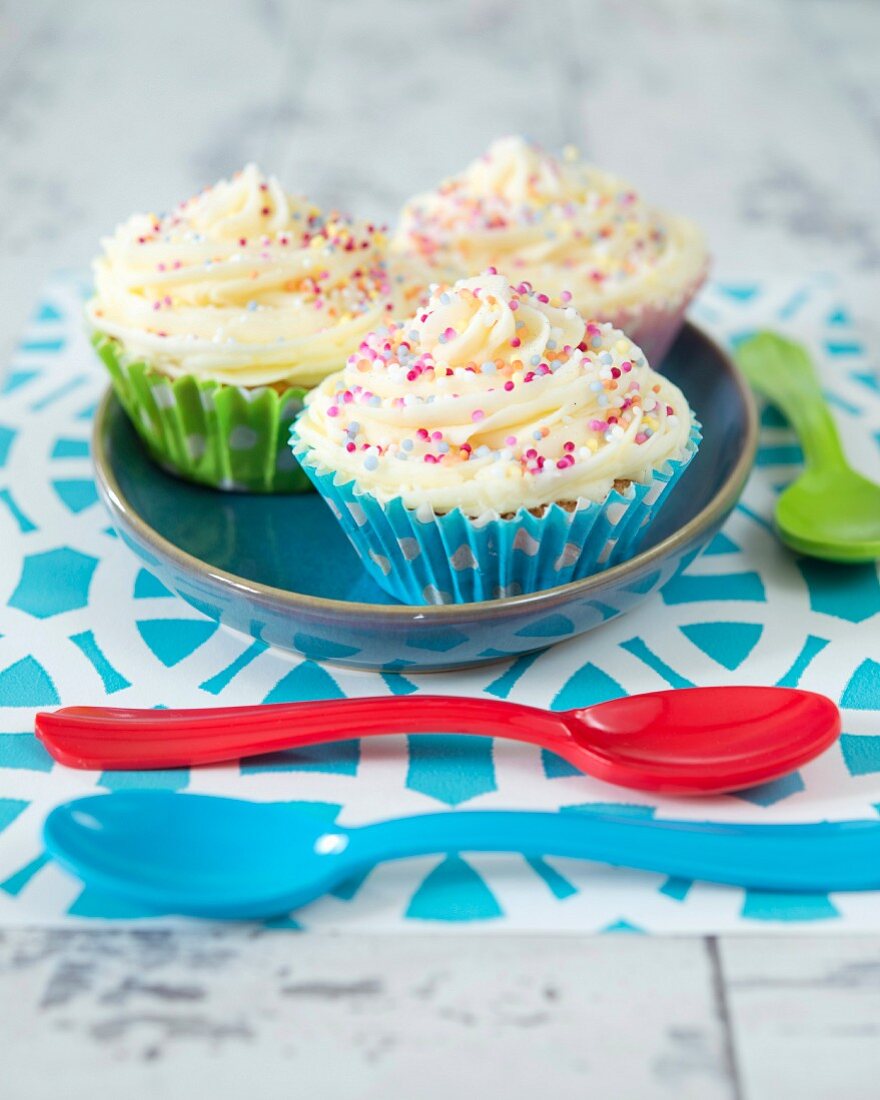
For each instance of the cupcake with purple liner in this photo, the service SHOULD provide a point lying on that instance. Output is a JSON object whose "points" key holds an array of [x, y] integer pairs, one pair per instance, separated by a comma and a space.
{"points": [[561, 224], [495, 444]]}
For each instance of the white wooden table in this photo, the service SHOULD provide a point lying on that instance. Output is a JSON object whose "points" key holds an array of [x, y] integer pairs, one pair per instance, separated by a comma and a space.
{"points": [[760, 119]]}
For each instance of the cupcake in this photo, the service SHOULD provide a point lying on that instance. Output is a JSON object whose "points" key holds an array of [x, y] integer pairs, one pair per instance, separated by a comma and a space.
{"points": [[561, 225], [495, 444], [216, 319]]}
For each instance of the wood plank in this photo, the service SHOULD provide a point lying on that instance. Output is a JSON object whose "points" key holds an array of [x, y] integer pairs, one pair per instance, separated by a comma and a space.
{"points": [[274, 1014], [805, 1015]]}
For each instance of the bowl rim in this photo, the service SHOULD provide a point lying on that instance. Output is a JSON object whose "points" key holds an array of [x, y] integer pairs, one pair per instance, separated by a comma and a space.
{"points": [[725, 497]]}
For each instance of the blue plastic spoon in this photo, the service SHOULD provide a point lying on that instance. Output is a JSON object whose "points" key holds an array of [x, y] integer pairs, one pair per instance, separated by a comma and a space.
{"points": [[220, 857]]}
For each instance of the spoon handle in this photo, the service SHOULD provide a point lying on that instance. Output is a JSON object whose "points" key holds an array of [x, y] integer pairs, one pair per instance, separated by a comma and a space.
{"points": [[118, 738], [829, 856], [781, 370]]}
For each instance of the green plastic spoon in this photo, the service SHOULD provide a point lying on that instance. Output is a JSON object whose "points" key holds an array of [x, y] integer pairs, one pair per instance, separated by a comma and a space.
{"points": [[831, 511]]}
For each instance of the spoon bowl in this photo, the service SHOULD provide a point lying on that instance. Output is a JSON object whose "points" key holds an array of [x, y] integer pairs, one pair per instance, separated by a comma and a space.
{"points": [[832, 514], [208, 857], [722, 738]]}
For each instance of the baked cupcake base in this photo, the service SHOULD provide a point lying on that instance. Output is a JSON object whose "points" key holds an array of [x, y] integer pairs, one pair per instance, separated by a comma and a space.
{"points": [[421, 557], [227, 437]]}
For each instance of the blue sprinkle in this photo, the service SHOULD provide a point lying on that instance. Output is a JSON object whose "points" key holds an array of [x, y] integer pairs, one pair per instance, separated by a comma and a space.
{"points": [[371, 462], [551, 344], [535, 360], [596, 342], [596, 387], [407, 444], [445, 299], [443, 448], [413, 334], [251, 306], [488, 367], [537, 436]]}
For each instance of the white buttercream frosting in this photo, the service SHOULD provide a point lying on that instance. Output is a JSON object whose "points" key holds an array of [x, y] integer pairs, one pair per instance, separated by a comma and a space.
{"points": [[557, 222], [494, 398], [243, 284]]}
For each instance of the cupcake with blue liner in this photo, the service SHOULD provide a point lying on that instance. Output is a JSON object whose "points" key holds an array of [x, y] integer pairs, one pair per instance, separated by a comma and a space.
{"points": [[494, 445], [215, 320]]}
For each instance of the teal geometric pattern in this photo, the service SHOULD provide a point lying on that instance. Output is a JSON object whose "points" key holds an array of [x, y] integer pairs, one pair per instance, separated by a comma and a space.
{"points": [[81, 621]]}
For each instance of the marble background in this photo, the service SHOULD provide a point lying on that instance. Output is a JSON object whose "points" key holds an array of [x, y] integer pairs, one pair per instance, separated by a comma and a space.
{"points": [[762, 120]]}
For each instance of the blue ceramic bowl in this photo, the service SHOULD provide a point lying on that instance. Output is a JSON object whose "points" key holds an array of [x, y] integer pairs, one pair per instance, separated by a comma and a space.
{"points": [[281, 569]]}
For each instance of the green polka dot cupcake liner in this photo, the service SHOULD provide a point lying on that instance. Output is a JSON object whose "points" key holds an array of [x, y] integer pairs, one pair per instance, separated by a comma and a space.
{"points": [[420, 557], [228, 437]]}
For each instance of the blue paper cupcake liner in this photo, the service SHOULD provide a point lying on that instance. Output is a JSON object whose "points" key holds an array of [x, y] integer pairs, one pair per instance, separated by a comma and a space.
{"points": [[420, 557]]}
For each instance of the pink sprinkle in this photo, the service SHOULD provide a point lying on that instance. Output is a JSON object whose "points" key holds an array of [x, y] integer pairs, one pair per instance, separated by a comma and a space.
{"points": [[515, 342], [422, 433], [511, 441], [597, 425], [508, 386], [569, 446], [492, 270], [477, 414], [641, 437], [514, 304], [350, 447], [565, 462], [333, 411], [565, 296], [543, 298], [436, 435], [670, 411]]}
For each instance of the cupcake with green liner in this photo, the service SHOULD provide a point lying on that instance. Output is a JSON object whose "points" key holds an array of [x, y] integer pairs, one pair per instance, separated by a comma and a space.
{"points": [[563, 225], [495, 444], [216, 319]]}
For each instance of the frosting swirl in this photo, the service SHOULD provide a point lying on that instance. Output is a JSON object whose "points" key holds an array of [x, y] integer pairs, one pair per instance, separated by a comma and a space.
{"points": [[242, 283], [494, 398], [559, 223]]}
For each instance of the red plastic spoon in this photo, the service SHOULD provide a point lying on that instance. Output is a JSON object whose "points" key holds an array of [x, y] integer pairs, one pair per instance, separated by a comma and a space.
{"points": [[692, 741]]}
